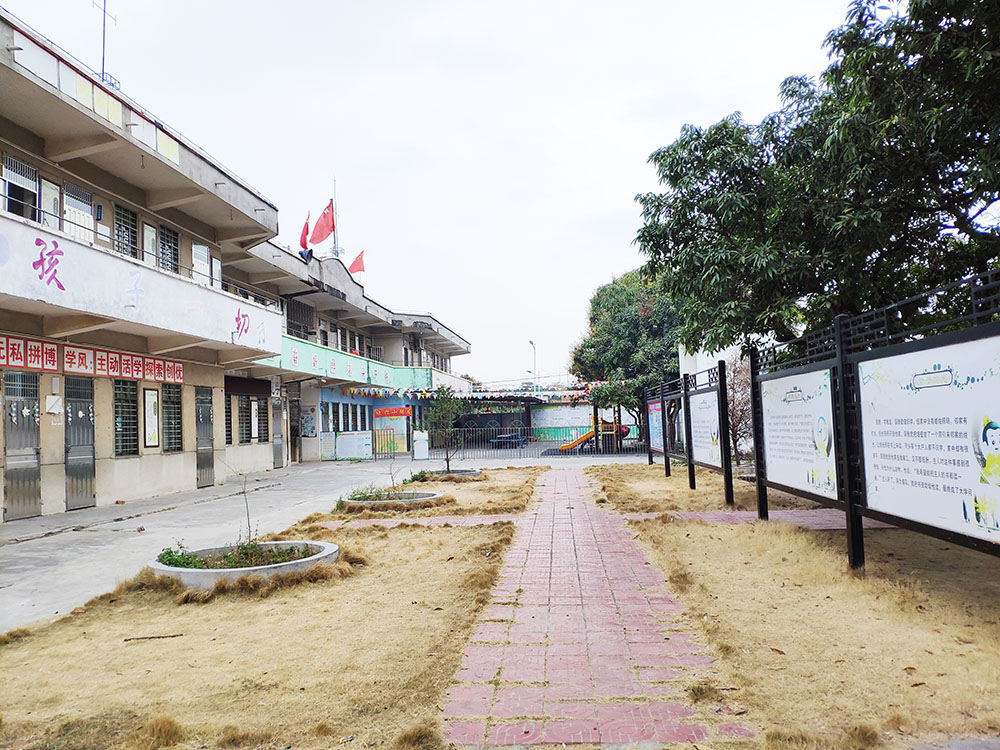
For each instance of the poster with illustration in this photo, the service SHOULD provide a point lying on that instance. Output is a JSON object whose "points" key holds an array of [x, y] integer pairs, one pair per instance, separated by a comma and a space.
{"points": [[798, 432], [390, 429], [931, 433], [655, 411], [706, 447]]}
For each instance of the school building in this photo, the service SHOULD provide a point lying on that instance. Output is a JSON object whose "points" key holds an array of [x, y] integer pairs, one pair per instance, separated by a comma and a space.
{"points": [[152, 338]]}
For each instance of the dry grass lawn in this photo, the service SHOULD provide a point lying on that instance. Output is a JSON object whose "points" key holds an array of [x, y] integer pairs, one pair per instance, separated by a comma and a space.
{"points": [[494, 491], [821, 658], [369, 655], [640, 488]]}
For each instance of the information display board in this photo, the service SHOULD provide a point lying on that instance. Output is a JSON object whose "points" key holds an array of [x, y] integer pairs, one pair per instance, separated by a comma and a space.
{"points": [[705, 443], [655, 412], [327, 446], [354, 445], [799, 449], [931, 435]]}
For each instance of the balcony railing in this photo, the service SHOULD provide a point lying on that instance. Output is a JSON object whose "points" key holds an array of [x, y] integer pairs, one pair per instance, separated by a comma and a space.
{"points": [[158, 258]]}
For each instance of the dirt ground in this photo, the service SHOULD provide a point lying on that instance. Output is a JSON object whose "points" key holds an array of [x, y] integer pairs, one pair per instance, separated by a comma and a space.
{"points": [[492, 492], [640, 488], [368, 656], [821, 658]]}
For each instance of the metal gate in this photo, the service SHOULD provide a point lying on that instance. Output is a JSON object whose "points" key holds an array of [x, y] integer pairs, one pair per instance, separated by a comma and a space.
{"points": [[79, 443], [22, 447], [294, 429], [276, 433], [204, 436]]}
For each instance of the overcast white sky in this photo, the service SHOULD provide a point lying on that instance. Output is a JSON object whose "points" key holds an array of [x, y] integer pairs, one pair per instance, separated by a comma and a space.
{"points": [[487, 155]]}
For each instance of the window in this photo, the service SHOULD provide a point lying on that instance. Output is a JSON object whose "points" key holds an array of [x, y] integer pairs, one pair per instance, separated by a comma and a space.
{"points": [[229, 419], [170, 411], [243, 416], [364, 418], [201, 261], [354, 416], [262, 420], [126, 232], [22, 187], [170, 249], [335, 417], [78, 210], [126, 402], [324, 332]]}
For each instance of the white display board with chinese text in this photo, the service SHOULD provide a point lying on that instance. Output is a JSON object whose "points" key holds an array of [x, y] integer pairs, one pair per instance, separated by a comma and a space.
{"points": [[354, 445], [655, 411], [931, 435], [706, 446], [799, 449]]}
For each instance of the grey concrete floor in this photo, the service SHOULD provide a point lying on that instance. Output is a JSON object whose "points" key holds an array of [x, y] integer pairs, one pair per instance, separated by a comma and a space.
{"points": [[51, 564]]}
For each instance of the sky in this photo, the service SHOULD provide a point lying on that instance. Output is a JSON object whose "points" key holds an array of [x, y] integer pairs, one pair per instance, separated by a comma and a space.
{"points": [[486, 155]]}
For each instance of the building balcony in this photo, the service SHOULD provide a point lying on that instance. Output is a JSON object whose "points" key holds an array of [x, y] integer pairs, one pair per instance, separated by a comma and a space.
{"points": [[55, 285], [303, 360]]}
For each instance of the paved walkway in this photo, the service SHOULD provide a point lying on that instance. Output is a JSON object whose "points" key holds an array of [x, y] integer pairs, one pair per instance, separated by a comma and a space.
{"points": [[580, 643]]}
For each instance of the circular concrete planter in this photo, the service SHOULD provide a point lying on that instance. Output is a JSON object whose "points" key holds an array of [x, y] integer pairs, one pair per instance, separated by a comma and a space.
{"points": [[457, 472], [205, 578], [399, 497]]}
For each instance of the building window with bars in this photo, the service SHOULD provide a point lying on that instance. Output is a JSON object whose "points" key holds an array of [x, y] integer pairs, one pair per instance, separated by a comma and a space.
{"points": [[364, 418], [22, 187], [262, 420], [126, 232], [335, 417], [243, 417], [170, 411], [354, 416], [126, 405], [170, 249], [229, 419]]}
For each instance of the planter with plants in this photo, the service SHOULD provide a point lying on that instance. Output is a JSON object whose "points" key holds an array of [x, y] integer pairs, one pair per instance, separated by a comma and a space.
{"points": [[203, 568]]}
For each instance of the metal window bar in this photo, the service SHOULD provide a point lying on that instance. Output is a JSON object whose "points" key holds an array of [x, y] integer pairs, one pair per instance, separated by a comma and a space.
{"points": [[364, 418], [78, 198], [79, 389], [263, 433], [20, 385], [229, 419], [126, 231], [170, 411], [126, 408], [243, 418], [335, 417], [125, 245], [170, 249]]}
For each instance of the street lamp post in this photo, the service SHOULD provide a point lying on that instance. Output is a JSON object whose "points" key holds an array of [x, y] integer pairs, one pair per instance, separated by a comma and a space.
{"points": [[534, 363]]}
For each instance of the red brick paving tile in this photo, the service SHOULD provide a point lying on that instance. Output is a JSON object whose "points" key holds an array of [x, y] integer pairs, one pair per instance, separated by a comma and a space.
{"points": [[478, 655], [574, 731], [526, 634], [469, 700], [569, 709], [665, 731], [668, 711], [654, 674], [465, 732], [491, 631], [498, 612], [571, 691], [736, 730], [476, 674], [522, 733], [519, 701]]}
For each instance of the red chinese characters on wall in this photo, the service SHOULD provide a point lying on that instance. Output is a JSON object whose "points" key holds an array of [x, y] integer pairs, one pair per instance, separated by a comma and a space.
{"points": [[44, 356]]}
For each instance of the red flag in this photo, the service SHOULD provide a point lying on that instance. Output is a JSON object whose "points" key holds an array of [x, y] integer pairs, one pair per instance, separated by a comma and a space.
{"points": [[358, 264], [305, 233], [324, 225]]}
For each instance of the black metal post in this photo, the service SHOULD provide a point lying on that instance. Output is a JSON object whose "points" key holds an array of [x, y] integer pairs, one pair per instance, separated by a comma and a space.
{"points": [[663, 427], [757, 409], [847, 463], [727, 458], [597, 430], [688, 448]]}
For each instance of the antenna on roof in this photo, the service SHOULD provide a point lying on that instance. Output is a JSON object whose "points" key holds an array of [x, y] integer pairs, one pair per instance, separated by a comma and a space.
{"points": [[103, 6]]}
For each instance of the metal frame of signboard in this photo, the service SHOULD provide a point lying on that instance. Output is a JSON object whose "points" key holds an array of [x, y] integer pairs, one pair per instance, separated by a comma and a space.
{"points": [[712, 380], [962, 312]]}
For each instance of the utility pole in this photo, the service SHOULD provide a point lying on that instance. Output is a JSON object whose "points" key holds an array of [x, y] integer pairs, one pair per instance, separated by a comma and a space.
{"points": [[104, 38]]}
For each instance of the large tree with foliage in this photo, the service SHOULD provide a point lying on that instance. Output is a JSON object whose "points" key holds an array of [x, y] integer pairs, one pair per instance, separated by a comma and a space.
{"points": [[631, 342], [871, 185]]}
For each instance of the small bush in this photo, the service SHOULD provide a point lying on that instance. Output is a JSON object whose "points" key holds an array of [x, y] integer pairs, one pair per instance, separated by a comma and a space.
{"points": [[236, 737], [423, 736], [13, 635], [160, 731]]}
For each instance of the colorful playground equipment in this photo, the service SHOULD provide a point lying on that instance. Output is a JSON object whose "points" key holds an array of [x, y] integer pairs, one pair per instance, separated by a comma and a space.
{"points": [[607, 431]]}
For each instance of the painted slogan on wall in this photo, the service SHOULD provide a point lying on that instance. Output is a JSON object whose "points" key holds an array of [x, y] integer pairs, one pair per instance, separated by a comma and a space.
{"points": [[931, 435], [705, 445], [798, 432], [29, 354]]}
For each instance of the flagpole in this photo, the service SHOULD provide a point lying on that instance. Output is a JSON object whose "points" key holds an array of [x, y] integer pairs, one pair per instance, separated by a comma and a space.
{"points": [[336, 231]]}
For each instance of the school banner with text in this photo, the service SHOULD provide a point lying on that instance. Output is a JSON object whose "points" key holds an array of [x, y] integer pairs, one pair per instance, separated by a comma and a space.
{"points": [[799, 446], [655, 411], [706, 447], [931, 434]]}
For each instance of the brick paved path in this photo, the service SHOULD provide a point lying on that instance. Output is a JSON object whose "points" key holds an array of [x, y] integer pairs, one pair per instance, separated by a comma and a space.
{"points": [[579, 644]]}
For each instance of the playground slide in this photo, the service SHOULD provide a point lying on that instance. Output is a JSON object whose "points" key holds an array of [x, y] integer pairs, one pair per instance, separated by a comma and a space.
{"points": [[582, 439]]}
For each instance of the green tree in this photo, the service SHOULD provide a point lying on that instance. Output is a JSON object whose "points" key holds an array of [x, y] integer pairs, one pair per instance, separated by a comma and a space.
{"points": [[875, 183], [631, 343], [445, 408]]}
